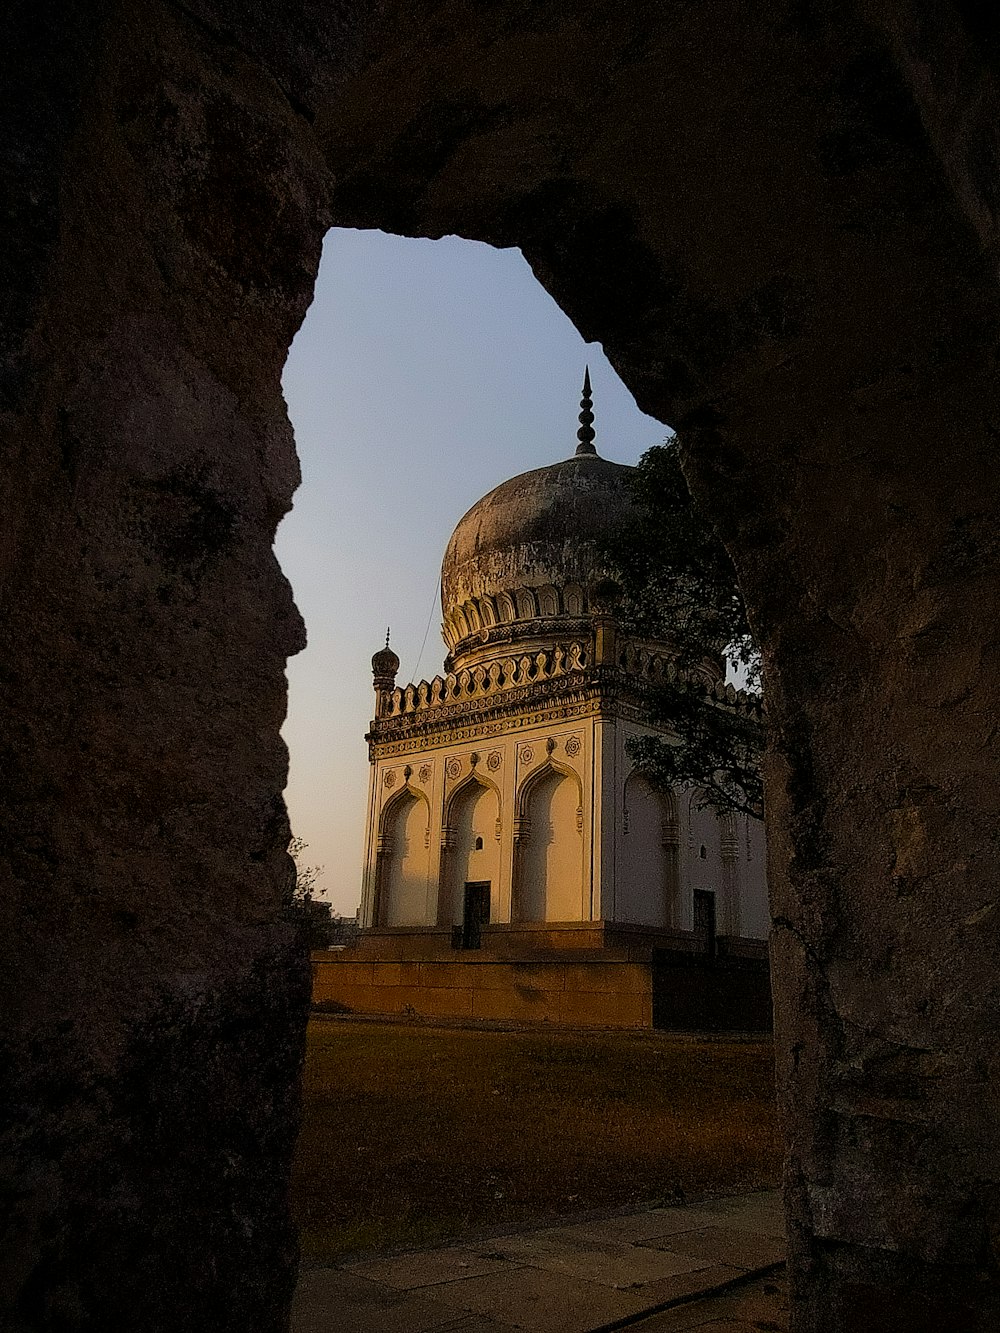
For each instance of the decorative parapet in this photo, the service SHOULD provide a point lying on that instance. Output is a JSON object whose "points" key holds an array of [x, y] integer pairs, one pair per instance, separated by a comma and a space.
{"points": [[495, 678], [505, 673]]}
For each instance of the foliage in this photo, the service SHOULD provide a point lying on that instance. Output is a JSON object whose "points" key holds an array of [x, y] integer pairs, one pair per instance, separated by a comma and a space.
{"points": [[678, 584], [316, 917]]}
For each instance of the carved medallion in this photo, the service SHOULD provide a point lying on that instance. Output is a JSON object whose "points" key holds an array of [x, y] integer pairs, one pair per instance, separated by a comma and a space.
{"points": [[573, 746], [425, 773], [494, 760], [527, 754], [453, 767], [390, 778]]}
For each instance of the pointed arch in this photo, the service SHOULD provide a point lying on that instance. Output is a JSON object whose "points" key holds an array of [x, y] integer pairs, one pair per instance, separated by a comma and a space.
{"points": [[402, 876], [471, 846], [550, 766], [449, 631], [548, 600], [646, 878], [527, 606], [473, 779], [548, 870], [573, 599], [704, 869]]}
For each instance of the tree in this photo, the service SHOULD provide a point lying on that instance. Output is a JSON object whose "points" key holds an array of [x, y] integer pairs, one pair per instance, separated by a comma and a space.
{"points": [[314, 916], [678, 584]]}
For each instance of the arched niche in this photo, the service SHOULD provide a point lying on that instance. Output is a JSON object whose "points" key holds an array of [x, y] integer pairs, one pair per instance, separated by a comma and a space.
{"points": [[473, 848], [527, 607], [704, 868], [549, 866], [548, 600], [647, 890], [404, 867]]}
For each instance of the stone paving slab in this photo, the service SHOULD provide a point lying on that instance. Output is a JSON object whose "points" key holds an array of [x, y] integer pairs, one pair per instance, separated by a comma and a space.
{"points": [[542, 1301], [575, 1278], [634, 1228], [612, 1265], [474, 1323], [758, 1307], [327, 1300], [427, 1268], [726, 1245], [750, 1212]]}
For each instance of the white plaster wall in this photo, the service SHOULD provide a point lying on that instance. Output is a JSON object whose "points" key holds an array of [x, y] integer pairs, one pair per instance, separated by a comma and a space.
{"points": [[608, 876], [407, 877], [368, 872], [474, 814], [699, 829], [551, 884], [641, 872], [507, 758]]}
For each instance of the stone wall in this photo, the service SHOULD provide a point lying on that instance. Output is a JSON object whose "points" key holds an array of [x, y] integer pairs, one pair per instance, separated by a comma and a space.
{"points": [[588, 986], [781, 222], [614, 993]]}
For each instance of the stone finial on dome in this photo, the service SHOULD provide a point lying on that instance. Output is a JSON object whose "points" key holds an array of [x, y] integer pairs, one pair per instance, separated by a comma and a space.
{"points": [[385, 664], [586, 432]]}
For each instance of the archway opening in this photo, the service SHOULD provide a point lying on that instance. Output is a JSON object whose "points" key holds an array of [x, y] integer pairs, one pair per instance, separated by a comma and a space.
{"points": [[414, 392], [424, 373]]}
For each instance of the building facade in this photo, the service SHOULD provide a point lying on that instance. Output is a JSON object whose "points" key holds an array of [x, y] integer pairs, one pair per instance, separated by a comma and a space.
{"points": [[516, 864]]}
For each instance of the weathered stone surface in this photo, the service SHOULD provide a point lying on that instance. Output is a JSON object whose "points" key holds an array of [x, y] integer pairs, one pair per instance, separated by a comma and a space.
{"points": [[153, 1001], [782, 226]]}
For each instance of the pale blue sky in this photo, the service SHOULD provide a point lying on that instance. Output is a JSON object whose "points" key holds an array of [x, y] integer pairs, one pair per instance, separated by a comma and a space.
{"points": [[425, 373]]}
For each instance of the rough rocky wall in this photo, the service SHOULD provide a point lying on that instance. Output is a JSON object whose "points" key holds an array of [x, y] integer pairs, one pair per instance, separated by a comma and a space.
{"points": [[153, 1001], [781, 224], [782, 230]]}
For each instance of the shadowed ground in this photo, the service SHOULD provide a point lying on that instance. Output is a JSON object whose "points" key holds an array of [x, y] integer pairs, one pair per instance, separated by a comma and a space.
{"points": [[414, 1133]]}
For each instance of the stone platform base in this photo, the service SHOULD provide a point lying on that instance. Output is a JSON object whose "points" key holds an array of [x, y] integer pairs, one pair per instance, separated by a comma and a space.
{"points": [[578, 977]]}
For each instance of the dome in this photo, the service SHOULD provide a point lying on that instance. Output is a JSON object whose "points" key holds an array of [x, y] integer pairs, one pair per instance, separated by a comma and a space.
{"points": [[530, 549], [385, 663]]}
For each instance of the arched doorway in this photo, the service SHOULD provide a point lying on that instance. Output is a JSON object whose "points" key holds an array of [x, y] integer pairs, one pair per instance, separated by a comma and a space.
{"points": [[706, 878], [473, 854]]}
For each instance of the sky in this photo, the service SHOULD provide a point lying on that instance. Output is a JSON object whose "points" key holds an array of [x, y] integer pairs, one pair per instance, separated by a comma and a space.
{"points": [[425, 373]]}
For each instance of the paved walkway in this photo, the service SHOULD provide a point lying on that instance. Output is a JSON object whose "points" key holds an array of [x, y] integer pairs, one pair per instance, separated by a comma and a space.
{"points": [[694, 1263]]}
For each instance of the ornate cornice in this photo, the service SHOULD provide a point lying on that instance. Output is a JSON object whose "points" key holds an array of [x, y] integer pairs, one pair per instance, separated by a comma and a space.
{"points": [[609, 690]]}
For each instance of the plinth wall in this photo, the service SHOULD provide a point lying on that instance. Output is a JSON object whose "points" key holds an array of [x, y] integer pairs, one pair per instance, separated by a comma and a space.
{"points": [[578, 976]]}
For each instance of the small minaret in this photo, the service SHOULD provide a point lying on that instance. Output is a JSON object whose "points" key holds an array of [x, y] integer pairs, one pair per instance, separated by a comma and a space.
{"points": [[586, 432], [385, 664]]}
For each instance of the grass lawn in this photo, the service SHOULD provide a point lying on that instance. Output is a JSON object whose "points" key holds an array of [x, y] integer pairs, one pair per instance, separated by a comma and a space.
{"points": [[413, 1133]]}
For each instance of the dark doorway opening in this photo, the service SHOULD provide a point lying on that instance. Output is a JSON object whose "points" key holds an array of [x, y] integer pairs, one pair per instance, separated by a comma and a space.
{"points": [[476, 913], [704, 922]]}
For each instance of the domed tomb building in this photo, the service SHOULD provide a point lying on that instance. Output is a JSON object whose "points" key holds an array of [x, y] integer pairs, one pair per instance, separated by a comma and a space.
{"points": [[515, 863]]}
